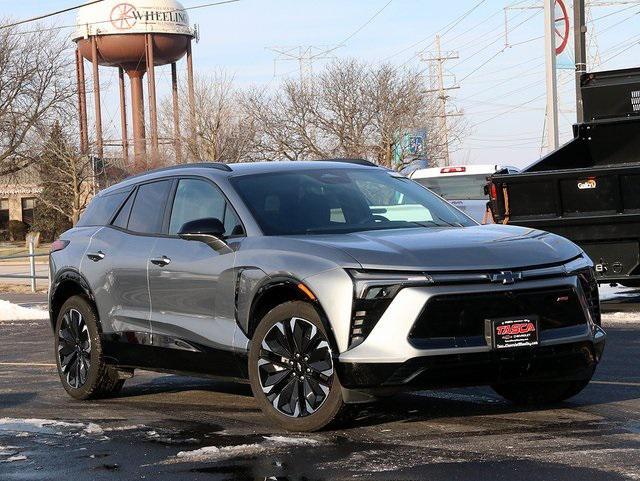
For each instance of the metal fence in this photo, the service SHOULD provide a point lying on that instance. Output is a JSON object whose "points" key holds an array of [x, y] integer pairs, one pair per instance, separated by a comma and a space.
{"points": [[32, 266]]}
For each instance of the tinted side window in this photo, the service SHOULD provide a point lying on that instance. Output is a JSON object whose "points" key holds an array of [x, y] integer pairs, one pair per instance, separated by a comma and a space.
{"points": [[198, 199], [102, 209], [147, 213], [122, 219]]}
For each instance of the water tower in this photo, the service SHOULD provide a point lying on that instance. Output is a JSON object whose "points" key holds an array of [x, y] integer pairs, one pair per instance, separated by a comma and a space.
{"points": [[135, 36]]}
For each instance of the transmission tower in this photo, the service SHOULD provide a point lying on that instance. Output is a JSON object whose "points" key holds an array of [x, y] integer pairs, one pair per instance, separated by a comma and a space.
{"points": [[437, 75], [305, 55]]}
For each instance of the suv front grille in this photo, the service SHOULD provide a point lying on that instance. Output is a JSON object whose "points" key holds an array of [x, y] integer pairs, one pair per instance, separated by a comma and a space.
{"points": [[462, 316]]}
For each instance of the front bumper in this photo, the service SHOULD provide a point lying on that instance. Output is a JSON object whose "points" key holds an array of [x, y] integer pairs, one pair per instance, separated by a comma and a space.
{"points": [[390, 358], [575, 361]]}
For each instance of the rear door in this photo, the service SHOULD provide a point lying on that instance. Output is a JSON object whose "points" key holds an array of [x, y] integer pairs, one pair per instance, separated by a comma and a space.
{"points": [[117, 259], [192, 284]]}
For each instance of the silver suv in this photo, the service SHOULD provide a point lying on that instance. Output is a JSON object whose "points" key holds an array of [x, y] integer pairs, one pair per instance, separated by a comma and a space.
{"points": [[322, 283]]}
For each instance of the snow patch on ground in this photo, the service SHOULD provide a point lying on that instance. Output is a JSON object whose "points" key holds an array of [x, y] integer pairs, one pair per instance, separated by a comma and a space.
{"points": [[214, 453], [133, 427], [14, 312], [48, 426], [291, 441], [621, 318], [13, 459]]}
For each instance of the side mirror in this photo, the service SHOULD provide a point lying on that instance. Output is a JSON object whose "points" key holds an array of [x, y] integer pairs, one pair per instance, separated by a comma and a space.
{"points": [[204, 230]]}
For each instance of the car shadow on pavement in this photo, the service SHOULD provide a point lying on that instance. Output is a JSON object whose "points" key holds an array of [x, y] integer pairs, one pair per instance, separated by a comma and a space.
{"points": [[177, 384], [461, 403]]}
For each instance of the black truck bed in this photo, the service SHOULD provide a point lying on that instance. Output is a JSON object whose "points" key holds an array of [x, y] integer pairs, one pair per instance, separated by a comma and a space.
{"points": [[589, 189]]}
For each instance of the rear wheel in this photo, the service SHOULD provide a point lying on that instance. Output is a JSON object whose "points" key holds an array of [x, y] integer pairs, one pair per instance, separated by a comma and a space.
{"points": [[78, 350], [540, 393], [291, 369]]}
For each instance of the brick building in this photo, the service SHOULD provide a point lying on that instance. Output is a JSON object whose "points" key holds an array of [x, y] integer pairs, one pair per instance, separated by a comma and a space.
{"points": [[18, 194]]}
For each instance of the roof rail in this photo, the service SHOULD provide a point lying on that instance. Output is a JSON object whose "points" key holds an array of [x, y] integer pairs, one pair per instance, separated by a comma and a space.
{"points": [[196, 165], [362, 162]]}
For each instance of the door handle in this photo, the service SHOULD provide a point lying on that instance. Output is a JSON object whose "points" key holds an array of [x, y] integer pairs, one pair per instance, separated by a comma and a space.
{"points": [[161, 261], [97, 256]]}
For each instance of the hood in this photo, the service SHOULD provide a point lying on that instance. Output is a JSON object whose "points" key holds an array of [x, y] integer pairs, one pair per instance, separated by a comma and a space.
{"points": [[491, 247]]}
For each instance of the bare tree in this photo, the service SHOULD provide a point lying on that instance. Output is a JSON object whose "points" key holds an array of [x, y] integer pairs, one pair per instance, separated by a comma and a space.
{"points": [[350, 110], [36, 80], [224, 132], [285, 122]]}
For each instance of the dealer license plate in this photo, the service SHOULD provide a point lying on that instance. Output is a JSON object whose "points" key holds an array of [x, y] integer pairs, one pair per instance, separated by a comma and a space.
{"points": [[513, 332]]}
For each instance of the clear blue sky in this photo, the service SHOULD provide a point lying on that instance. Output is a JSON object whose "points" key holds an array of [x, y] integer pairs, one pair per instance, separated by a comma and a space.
{"points": [[494, 80]]}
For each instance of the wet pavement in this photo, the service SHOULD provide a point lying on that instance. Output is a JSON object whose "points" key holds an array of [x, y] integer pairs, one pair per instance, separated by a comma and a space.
{"points": [[166, 427]]}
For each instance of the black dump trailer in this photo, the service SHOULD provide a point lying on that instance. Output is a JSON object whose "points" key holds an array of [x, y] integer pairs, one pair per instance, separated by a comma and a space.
{"points": [[589, 189]]}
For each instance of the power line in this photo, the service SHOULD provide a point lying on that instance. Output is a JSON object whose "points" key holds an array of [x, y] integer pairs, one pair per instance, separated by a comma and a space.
{"points": [[47, 15], [360, 29], [450, 26], [633, 44], [490, 59]]}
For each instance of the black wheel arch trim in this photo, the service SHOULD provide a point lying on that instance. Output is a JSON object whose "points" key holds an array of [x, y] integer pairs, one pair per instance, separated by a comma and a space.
{"points": [[245, 317], [67, 275]]}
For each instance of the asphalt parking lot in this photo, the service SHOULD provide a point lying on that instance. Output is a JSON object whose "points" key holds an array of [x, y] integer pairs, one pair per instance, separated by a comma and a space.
{"points": [[180, 428]]}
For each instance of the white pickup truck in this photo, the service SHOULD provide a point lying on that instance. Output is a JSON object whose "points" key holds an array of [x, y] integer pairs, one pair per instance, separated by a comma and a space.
{"points": [[462, 186]]}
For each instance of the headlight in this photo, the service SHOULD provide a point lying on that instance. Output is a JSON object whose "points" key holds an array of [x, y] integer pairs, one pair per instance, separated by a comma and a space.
{"points": [[374, 291], [385, 285]]}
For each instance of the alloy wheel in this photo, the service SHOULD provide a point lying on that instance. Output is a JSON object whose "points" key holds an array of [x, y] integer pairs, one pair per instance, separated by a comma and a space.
{"points": [[295, 367], [74, 348]]}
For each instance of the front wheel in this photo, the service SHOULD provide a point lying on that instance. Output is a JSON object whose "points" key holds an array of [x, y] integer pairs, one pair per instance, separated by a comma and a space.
{"points": [[540, 393], [291, 369]]}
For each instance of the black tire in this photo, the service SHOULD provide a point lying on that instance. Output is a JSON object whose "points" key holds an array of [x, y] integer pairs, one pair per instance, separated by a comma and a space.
{"points": [[78, 351], [278, 380], [540, 393]]}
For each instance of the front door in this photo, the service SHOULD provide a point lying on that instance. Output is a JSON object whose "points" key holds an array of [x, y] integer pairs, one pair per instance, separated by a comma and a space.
{"points": [[192, 285]]}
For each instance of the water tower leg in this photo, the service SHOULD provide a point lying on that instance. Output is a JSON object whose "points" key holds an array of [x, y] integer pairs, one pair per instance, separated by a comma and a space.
{"points": [[192, 98], [153, 106], [96, 95], [137, 117], [123, 118], [176, 113], [82, 103]]}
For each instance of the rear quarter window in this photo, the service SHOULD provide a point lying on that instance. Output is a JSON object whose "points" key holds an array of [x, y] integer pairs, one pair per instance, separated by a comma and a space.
{"points": [[102, 209]]}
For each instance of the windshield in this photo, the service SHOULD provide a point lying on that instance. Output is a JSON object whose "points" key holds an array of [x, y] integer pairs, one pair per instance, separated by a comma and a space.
{"points": [[342, 201], [464, 187]]}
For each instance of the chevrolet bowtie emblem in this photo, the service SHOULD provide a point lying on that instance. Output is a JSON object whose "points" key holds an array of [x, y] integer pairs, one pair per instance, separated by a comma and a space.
{"points": [[506, 277]]}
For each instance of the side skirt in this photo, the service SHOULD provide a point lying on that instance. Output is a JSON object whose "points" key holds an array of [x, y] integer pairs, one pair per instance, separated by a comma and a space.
{"points": [[136, 350]]}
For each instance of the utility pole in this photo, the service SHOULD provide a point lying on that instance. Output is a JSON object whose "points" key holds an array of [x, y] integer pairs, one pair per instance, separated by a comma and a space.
{"points": [[304, 55], [436, 61], [551, 67], [580, 34]]}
